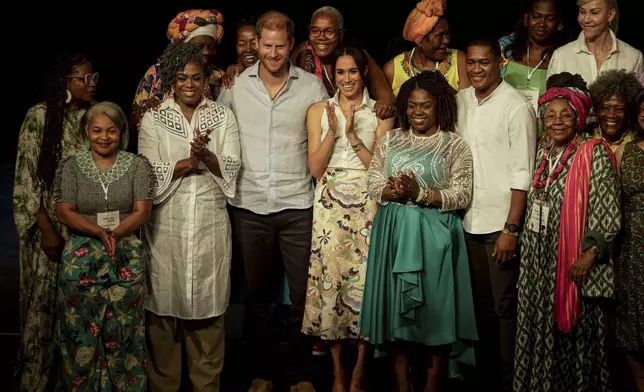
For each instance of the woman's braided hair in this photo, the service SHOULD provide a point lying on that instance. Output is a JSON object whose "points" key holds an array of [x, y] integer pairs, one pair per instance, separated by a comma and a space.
{"points": [[55, 102]]}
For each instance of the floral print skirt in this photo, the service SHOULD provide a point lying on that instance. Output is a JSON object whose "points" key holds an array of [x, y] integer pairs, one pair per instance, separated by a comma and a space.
{"points": [[342, 217], [102, 325]]}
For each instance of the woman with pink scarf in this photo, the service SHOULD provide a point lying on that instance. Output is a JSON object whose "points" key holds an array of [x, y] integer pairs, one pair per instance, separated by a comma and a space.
{"points": [[566, 273]]}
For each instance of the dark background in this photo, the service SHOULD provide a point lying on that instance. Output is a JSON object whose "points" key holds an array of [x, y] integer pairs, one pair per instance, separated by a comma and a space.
{"points": [[122, 39]]}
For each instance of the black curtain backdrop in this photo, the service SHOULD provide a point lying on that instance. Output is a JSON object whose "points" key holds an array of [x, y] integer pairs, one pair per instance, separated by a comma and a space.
{"points": [[122, 39]]}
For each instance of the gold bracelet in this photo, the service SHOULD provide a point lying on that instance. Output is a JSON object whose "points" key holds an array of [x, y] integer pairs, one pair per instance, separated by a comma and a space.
{"points": [[508, 232], [358, 146], [429, 197], [421, 195]]}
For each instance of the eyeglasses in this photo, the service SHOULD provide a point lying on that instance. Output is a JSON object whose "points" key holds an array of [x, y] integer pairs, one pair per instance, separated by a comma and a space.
{"points": [[89, 79], [564, 118], [329, 32]]}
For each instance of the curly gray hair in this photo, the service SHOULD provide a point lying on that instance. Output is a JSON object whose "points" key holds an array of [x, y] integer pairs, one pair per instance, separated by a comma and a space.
{"points": [[622, 84]]}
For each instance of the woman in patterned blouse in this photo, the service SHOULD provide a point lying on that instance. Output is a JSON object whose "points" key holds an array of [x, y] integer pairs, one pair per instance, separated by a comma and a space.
{"points": [[417, 291], [104, 196]]}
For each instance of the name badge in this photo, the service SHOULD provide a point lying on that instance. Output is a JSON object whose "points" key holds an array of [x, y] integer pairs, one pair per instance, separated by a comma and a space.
{"points": [[538, 222], [532, 96], [108, 220]]}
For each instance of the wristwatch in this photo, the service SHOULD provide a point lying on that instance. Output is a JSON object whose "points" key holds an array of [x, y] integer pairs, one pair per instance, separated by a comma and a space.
{"points": [[512, 228]]}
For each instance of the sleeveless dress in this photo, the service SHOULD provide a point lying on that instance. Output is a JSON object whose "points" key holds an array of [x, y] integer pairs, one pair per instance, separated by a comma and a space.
{"points": [[343, 215], [630, 266], [405, 70]]}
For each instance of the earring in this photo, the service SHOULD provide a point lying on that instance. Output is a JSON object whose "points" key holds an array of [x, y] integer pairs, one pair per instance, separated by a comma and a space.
{"points": [[69, 97], [560, 27]]}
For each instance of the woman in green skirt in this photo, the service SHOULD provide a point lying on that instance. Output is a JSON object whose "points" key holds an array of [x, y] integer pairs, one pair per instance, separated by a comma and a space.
{"points": [[103, 195], [417, 288]]}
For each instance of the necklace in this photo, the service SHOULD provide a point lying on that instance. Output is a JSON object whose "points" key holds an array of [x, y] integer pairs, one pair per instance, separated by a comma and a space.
{"points": [[412, 64], [541, 179]]}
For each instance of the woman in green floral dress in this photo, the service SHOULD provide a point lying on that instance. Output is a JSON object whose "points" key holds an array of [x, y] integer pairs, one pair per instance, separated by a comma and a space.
{"points": [[104, 196], [50, 132]]}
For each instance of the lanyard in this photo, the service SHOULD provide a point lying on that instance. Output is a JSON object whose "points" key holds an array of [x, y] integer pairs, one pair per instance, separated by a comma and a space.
{"points": [[411, 61], [531, 72], [105, 189], [551, 169]]}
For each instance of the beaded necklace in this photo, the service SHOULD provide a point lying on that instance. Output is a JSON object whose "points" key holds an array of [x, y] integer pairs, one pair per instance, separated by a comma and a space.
{"points": [[540, 181]]}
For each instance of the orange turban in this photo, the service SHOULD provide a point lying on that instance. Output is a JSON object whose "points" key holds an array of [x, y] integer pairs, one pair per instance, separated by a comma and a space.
{"points": [[189, 24], [423, 19]]}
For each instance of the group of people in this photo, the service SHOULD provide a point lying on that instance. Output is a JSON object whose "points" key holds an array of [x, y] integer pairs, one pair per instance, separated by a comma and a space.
{"points": [[484, 206]]}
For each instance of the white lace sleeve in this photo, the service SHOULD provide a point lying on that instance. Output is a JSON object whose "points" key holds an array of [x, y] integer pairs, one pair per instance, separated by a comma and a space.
{"points": [[376, 176], [459, 194], [149, 142], [225, 145]]}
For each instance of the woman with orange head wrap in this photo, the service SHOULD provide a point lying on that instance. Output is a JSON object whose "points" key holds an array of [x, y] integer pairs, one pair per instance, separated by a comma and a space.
{"points": [[203, 28], [428, 29]]}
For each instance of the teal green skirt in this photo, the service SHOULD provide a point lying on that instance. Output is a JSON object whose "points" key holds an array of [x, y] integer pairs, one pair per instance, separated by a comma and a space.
{"points": [[418, 286]]}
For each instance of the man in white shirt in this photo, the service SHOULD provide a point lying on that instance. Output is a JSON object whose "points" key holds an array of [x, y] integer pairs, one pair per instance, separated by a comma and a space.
{"points": [[273, 204], [500, 126], [597, 49]]}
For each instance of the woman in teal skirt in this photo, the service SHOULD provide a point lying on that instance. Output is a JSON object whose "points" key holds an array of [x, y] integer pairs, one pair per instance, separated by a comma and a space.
{"points": [[103, 195], [417, 288]]}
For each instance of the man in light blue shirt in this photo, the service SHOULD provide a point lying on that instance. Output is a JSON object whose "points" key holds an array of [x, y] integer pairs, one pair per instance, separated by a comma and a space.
{"points": [[273, 204]]}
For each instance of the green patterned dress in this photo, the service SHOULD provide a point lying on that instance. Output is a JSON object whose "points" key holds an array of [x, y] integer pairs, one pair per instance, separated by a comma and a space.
{"points": [[37, 274], [102, 324], [629, 270], [547, 359]]}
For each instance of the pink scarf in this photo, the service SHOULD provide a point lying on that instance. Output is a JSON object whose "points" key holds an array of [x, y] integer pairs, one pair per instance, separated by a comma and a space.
{"points": [[574, 211]]}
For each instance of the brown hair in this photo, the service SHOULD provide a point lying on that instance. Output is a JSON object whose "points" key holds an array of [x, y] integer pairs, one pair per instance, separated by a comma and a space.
{"points": [[275, 20]]}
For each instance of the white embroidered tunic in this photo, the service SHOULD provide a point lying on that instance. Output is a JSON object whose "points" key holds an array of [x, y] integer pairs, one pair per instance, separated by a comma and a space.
{"points": [[188, 235]]}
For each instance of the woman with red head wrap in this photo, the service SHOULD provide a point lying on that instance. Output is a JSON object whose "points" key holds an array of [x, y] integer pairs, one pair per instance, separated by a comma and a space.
{"points": [[566, 273]]}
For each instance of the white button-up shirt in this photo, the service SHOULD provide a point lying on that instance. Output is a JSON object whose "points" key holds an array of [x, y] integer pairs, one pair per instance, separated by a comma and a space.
{"points": [[365, 124], [576, 58], [501, 131], [274, 143], [188, 235]]}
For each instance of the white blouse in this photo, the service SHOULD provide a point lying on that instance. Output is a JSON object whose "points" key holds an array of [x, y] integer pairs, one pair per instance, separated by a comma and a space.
{"points": [[365, 123], [188, 235], [576, 58]]}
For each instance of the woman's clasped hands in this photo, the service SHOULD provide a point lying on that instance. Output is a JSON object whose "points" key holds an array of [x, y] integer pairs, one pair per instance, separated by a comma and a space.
{"points": [[403, 187]]}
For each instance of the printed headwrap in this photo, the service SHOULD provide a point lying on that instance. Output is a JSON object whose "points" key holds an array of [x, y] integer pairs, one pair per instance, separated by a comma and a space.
{"points": [[423, 19], [192, 23], [580, 102]]}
